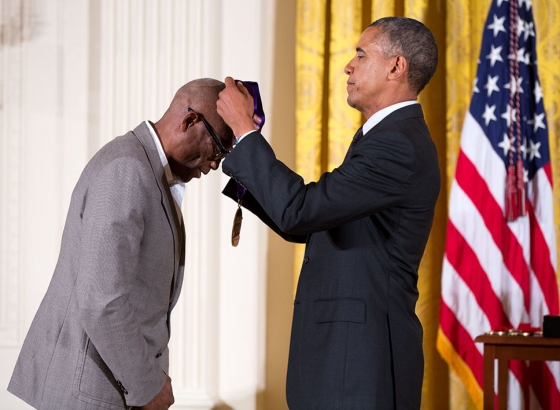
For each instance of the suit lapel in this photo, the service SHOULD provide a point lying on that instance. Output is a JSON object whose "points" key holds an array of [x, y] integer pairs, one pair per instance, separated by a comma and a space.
{"points": [[143, 134]]}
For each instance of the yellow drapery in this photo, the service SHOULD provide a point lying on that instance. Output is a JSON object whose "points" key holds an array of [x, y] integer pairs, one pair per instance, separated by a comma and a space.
{"points": [[326, 34]]}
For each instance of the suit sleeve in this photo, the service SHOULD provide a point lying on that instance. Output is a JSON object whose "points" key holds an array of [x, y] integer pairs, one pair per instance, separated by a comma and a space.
{"points": [[375, 177], [112, 230], [249, 202]]}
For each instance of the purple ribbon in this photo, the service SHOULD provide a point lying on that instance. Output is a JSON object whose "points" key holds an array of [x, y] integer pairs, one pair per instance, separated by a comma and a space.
{"points": [[253, 88]]}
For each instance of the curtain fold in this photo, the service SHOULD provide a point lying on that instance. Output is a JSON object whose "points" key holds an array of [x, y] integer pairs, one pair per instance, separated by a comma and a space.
{"points": [[327, 32]]}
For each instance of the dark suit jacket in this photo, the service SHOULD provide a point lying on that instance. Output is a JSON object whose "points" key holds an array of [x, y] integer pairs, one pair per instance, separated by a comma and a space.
{"points": [[356, 341], [99, 339]]}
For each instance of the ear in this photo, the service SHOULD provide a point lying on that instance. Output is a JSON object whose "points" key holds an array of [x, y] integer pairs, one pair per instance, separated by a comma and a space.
{"points": [[188, 120], [400, 66]]}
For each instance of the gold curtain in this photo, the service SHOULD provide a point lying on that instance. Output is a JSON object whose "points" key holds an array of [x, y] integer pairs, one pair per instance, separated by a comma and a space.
{"points": [[326, 34]]}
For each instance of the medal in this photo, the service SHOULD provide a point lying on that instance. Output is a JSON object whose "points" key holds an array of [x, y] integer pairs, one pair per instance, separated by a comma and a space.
{"points": [[236, 229], [253, 89]]}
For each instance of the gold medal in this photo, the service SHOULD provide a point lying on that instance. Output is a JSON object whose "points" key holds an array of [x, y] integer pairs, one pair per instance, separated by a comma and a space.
{"points": [[236, 229]]}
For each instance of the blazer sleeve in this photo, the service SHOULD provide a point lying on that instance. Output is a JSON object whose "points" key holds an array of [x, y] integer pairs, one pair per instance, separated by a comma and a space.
{"points": [[375, 177], [112, 229]]}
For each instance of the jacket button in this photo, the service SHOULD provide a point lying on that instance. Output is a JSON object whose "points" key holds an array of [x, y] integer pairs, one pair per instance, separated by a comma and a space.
{"points": [[306, 259], [122, 387]]}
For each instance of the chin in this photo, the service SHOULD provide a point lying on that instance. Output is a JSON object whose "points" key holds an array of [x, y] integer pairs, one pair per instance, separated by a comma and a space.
{"points": [[185, 178]]}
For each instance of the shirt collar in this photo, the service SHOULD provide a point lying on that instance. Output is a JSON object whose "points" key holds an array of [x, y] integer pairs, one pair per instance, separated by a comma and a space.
{"points": [[171, 179], [381, 114]]}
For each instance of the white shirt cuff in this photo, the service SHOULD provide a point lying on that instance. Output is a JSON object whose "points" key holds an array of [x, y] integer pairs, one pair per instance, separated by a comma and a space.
{"points": [[237, 139]]}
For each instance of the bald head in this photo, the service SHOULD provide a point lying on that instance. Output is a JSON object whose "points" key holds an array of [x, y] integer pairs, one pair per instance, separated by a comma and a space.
{"points": [[187, 137], [200, 95]]}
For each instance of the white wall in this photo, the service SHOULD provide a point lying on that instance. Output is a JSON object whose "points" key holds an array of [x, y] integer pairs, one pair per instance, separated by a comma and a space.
{"points": [[73, 75]]}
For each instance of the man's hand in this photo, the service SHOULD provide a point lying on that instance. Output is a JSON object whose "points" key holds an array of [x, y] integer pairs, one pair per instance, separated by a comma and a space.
{"points": [[235, 106], [163, 400]]}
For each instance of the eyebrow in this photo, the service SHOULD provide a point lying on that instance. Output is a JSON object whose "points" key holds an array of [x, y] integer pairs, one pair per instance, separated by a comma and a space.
{"points": [[360, 50]]}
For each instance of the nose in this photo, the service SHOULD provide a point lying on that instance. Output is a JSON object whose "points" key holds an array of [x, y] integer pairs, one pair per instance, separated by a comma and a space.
{"points": [[214, 164], [349, 69]]}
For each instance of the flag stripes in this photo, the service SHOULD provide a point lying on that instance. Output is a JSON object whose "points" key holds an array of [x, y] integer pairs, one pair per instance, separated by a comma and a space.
{"points": [[500, 272]]}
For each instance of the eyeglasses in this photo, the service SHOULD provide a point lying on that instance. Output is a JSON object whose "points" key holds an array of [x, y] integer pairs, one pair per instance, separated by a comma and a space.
{"points": [[223, 151]]}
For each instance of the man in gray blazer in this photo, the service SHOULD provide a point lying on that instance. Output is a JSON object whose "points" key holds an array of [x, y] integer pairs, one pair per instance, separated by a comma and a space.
{"points": [[356, 341], [99, 339]]}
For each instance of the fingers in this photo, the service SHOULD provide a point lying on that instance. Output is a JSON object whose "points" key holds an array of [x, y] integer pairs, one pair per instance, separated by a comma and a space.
{"points": [[242, 88], [235, 106], [229, 81]]}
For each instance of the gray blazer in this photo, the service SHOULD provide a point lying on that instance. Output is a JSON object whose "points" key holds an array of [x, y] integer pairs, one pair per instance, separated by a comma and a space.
{"points": [[99, 339]]}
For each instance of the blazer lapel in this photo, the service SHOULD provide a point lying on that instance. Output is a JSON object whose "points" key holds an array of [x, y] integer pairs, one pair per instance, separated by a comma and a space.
{"points": [[145, 137]]}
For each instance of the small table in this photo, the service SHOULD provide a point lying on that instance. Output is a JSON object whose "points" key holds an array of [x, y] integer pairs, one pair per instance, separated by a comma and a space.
{"points": [[506, 348]]}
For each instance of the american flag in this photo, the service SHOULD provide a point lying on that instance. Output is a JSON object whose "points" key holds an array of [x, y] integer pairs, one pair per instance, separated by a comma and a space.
{"points": [[499, 269]]}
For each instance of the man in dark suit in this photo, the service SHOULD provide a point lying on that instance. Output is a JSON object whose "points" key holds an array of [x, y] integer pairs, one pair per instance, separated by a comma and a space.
{"points": [[99, 339], [356, 341]]}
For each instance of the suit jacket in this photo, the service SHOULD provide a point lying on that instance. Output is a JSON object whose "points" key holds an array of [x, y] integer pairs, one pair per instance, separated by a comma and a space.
{"points": [[99, 338], [356, 341]]}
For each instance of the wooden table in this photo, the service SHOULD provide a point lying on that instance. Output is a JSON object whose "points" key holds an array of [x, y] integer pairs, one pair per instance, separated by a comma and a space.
{"points": [[506, 348]]}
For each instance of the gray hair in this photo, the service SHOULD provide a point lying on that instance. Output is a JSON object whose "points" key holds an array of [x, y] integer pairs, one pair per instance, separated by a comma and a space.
{"points": [[415, 42]]}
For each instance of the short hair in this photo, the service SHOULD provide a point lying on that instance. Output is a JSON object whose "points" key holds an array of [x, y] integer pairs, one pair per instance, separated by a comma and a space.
{"points": [[200, 95], [415, 42]]}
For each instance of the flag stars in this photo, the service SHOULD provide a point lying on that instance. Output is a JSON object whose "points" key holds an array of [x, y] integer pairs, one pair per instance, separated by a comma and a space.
{"points": [[523, 148], [489, 114], [529, 30], [510, 115], [538, 122], [520, 26], [497, 25], [522, 56], [495, 55], [514, 85], [475, 85], [538, 92], [492, 85], [501, 1], [534, 150], [528, 4], [506, 145]]}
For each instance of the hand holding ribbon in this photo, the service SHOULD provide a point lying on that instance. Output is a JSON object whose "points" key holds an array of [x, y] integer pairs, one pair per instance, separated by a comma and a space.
{"points": [[258, 112], [236, 106], [239, 102]]}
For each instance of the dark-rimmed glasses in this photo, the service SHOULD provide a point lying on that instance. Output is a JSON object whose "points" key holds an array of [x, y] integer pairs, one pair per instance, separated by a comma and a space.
{"points": [[223, 151]]}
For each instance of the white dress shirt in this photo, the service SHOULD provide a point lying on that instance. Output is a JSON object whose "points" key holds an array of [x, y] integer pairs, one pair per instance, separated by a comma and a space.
{"points": [[175, 185]]}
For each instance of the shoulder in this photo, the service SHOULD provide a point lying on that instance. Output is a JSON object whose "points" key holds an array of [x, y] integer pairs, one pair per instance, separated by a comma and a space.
{"points": [[404, 128], [124, 160]]}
